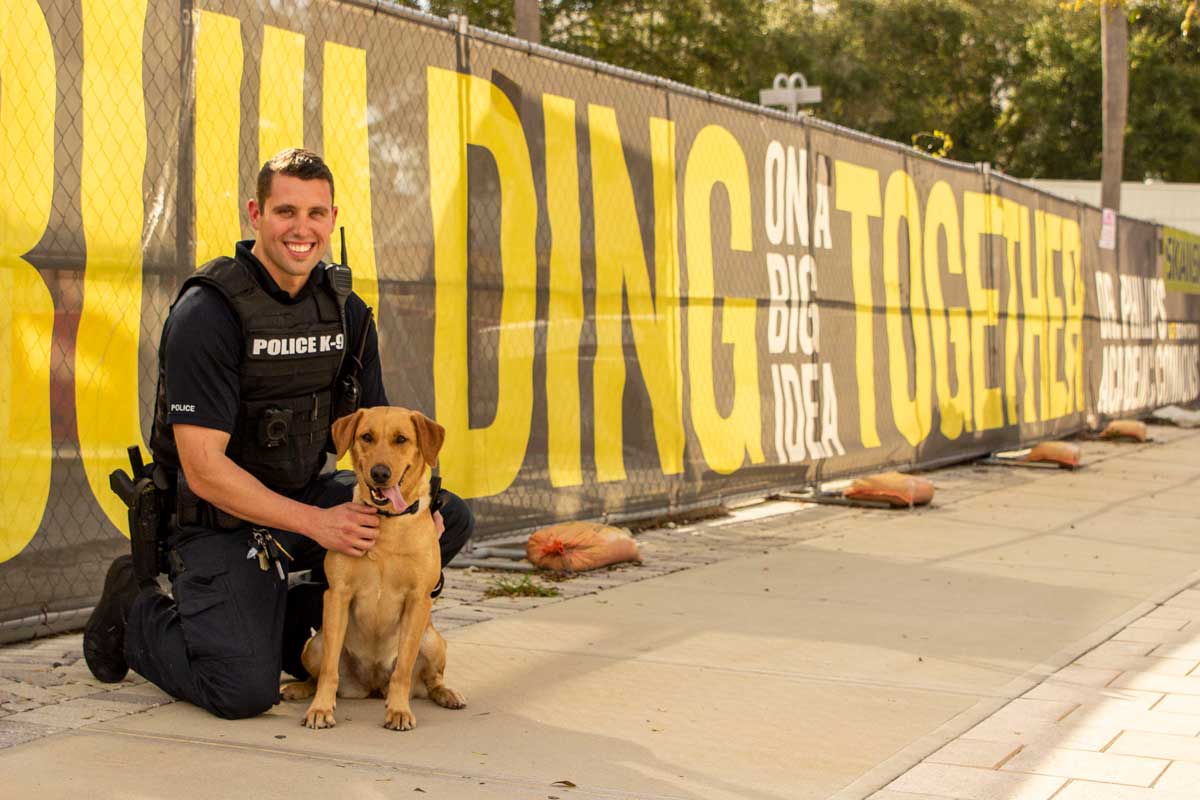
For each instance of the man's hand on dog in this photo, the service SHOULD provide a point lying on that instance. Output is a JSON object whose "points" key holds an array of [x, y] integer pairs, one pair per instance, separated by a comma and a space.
{"points": [[350, 528]]}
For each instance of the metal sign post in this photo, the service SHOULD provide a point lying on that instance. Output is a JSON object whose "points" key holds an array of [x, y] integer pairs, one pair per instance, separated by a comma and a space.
{"points": [[791, 92]]}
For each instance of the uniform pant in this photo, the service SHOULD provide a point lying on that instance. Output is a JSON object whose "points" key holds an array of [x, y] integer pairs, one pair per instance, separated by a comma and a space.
{"points": [[231, 627]]}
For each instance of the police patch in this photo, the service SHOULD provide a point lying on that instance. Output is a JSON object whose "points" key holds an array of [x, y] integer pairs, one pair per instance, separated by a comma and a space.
{"points": [[292, 346]]}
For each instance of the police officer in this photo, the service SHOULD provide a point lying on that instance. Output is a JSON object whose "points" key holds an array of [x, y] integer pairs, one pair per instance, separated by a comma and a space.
{"points": [[253, 358]]}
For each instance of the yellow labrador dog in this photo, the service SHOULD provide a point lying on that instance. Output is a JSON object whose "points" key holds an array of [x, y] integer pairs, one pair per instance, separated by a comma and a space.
{"points": [[376, 635]]}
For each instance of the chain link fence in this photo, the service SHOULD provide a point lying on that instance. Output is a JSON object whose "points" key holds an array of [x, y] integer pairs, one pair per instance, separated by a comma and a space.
{"points": [[624, 297]]}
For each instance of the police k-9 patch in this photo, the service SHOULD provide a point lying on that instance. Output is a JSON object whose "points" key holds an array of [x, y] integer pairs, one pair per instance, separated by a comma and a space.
{"points": [[260, 347]]}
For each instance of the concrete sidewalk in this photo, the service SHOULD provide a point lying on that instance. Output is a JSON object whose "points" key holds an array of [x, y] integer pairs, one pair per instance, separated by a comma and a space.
{"points": [[808, 654]]}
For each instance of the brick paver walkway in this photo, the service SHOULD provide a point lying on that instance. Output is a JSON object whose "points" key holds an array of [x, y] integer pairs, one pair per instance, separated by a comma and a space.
{"points": [[1122, 722]]}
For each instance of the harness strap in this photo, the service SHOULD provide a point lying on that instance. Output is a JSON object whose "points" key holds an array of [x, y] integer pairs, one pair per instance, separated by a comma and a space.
{"points": [[435, 490]]}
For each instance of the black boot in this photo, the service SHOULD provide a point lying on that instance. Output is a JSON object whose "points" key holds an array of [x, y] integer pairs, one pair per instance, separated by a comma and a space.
{"points": [[104, 635]]}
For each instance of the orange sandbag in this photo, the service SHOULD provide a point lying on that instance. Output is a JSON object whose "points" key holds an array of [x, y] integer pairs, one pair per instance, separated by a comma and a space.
{"points": [[896, 488], [1063, 453], [579, 546], [1125, 429]]}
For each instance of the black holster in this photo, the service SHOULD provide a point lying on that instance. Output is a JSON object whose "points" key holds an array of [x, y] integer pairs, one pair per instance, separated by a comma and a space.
{"points": [[145, 493]]}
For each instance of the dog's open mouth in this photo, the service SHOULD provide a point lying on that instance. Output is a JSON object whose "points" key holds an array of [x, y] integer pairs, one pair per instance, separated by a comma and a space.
{"points": [[381, 496]]}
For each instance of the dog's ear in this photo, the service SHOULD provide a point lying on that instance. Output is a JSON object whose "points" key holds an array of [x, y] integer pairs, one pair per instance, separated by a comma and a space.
{"points": [[430, 436], [344, 431]]}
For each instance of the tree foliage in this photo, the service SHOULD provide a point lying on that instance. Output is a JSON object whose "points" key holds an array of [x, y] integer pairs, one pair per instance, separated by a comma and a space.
{"points": [[1013, 82], [725, 46]]}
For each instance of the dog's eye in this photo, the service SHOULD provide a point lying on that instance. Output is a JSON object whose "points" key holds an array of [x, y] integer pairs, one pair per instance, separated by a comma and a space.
{"points": [[401, 438], [368, 437]]}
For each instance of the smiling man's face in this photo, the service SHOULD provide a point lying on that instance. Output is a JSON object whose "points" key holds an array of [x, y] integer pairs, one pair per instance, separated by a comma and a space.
{"points": [[293, 227]]}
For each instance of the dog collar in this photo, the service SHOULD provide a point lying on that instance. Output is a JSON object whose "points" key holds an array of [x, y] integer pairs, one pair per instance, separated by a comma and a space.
{"points": [[435, 498], [410, 510]]}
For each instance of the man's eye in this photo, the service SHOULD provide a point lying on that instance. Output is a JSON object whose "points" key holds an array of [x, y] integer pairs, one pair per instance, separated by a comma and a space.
{"points": [[368, 437], [400, 438]]}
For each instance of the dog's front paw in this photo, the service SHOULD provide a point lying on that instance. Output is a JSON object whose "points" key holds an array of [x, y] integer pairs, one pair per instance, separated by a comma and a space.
{"points": [[318, 718], [447, 698], [399, 719]]}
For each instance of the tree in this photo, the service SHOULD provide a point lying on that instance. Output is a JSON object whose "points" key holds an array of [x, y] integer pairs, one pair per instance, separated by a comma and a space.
{"points": [[1051, 126], [1164, 92], [1017, 83], [897, 68], [725, 46]]}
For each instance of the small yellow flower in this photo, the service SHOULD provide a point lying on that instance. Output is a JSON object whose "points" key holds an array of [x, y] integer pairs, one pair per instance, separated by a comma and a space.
{"points": [[936, 143]]}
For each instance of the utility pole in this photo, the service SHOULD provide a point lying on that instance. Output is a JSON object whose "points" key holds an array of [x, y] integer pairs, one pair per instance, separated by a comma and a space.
{"points": [[1114, 49], [527, 22]]}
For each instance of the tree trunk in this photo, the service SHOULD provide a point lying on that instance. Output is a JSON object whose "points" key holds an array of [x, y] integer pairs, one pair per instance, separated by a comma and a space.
{"points": [[1114, 34], [527, 24]]}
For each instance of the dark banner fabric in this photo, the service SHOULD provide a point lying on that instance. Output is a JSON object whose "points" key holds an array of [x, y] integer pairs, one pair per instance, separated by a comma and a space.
{"points": [[622, 297]]}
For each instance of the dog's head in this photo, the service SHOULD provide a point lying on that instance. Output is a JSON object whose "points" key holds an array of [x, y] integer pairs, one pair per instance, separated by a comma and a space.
{"points": [[390, 449]]}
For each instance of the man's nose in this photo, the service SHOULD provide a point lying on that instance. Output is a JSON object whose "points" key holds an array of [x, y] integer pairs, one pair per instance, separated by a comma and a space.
{"points": [[380, 473]]}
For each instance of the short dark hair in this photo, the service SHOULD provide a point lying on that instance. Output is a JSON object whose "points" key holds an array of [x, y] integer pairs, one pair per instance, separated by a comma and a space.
{"points": [[294, 162]]}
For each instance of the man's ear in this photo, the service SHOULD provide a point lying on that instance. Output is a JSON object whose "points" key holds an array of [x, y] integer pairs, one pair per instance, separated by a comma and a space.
{"points": [[344, 431], [430, 436]]}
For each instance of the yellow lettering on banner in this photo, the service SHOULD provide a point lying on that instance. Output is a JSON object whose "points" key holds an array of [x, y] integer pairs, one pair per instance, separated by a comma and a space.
{"points": [[348, 154], [281, 94], [1016, 237], [1033, 303], [565, 323], [1056, 391], [27, 98], [217, 131], [858, 195], [941, 214], [981, 216], [716, 157], [654, 319], [913, 414], [110, 175], [1072, 254], [464, 109]]}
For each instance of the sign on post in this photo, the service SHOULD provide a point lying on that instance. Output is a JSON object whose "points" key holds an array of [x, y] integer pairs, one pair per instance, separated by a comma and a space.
{"points": [[791, 92], [1108, 229]]}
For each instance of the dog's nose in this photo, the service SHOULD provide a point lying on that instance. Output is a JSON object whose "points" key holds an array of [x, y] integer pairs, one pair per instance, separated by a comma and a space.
{"points": [[380, 473]]}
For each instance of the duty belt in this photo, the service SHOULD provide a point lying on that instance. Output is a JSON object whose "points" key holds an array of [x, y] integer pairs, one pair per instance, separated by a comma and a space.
{"points": [[193, 511]]}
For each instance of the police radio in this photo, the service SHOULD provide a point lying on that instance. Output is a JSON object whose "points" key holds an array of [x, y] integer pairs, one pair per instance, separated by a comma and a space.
{"points": [[338, 275], [348, 392]]}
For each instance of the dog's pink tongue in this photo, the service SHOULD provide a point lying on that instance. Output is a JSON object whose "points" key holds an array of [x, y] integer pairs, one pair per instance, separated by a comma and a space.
{"points": [[397, 498]]}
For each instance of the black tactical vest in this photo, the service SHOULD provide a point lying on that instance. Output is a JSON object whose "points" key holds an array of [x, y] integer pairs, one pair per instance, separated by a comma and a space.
{"points": [[290, 363]]}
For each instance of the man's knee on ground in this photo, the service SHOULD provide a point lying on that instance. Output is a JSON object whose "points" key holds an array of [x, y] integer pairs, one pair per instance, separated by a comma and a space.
{"points": [[240, 694]]}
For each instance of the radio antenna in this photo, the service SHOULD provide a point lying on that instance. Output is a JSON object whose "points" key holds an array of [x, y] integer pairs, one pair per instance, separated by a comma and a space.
{"points": [[342, 230]]}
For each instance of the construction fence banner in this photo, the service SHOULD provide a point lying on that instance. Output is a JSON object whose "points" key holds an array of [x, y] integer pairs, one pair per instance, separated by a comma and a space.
{"points": [[621, 296]]}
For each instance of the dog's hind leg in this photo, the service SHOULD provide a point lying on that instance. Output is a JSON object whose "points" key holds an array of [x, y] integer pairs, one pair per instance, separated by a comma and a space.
{"points": [[298, 690], [349, 685], [310, 657], [431, 667]]}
